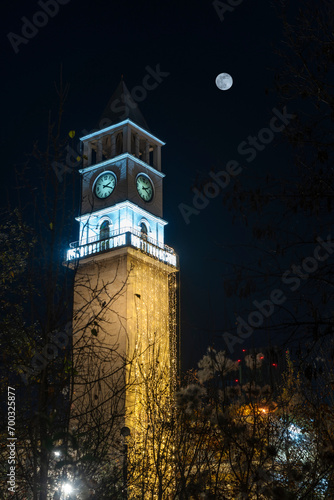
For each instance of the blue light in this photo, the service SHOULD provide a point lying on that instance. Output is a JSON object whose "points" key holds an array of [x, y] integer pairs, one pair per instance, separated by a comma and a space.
{"points": [[118, 206], [108, 163], [119, 125]]}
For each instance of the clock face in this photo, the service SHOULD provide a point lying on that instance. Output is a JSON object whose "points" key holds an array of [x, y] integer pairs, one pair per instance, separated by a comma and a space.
{"points": [[104, 185], [144, 187]]}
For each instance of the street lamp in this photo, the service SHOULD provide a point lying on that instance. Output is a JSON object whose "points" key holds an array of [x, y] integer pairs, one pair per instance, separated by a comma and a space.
{"points": [[125, 432], [67, 489]]}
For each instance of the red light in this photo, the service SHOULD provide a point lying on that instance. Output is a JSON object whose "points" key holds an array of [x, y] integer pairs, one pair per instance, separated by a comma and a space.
{"points": [[262, 357], [244, 350], [274, 364], [236, 380], [239, 360]]}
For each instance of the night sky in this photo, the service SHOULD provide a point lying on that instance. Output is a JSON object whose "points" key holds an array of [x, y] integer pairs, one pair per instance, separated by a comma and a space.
{"points": [[98, 41]]}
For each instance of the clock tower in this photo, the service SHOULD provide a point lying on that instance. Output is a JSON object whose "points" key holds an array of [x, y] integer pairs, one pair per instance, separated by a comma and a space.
{"points": [[125, 319]]}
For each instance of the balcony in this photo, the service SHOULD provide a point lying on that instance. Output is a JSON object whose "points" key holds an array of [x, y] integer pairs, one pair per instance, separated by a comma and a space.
{"points": [[124, 238]]}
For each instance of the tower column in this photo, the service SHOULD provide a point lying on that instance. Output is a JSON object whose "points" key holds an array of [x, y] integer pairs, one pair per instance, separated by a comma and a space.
{"points": [[157, 157], [87, 151], [147, 152], [113, 145], [99, 151], [137, 145], [126, 139]]}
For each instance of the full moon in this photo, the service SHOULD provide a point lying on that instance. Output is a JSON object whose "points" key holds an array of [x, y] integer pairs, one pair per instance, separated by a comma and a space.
{"points": [[224, 81]]}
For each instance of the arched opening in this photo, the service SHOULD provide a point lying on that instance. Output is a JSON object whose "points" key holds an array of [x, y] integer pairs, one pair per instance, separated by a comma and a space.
{"points": [[104, 230], [143, 230], [104, 234]]}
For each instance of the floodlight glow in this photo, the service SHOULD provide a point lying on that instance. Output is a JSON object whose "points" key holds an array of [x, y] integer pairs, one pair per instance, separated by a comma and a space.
{"points": [[67, 488], [57, 453]]}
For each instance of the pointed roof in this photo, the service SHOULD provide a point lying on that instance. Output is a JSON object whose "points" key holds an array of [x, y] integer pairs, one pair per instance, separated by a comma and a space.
{"points": [[121, 107]]}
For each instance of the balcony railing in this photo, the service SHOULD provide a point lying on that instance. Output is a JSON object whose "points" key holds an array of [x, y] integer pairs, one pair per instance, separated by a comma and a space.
{"points": [[128, 237]]}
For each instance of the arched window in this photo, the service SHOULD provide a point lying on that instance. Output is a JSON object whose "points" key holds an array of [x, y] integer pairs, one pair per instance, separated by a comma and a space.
{"points": [[143, 230], [104, 234], [104, 230]]}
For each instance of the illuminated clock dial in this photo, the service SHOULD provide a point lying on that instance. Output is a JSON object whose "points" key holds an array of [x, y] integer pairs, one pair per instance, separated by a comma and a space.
{"points": [[144, 187], [104, 185]]}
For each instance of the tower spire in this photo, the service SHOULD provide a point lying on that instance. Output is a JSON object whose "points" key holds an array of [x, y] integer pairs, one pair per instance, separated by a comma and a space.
{"points": [[122, 106]]}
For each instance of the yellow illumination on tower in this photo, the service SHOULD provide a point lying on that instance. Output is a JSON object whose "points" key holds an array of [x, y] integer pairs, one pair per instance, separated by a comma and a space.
{"points": [[125, 326]]}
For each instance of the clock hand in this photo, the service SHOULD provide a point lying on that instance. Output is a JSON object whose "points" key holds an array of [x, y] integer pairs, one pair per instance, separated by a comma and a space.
{"points": [[106, 185]]}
